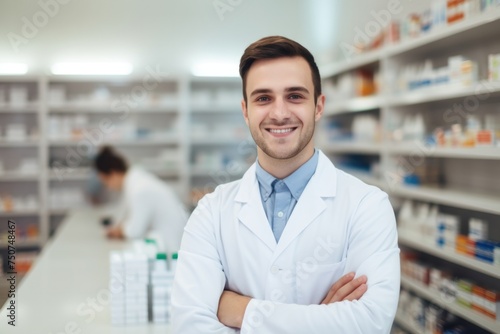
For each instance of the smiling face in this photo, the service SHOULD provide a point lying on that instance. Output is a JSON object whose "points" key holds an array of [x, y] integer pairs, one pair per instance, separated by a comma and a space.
{"points": [[281, 111]]}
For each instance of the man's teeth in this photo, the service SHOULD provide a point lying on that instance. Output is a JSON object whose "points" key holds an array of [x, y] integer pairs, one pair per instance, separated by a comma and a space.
{"points": [[280, 130]]}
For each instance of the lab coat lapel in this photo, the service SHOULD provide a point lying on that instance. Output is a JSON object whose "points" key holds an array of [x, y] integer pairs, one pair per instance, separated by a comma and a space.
{"points": [[311, 203], [251, 212]]}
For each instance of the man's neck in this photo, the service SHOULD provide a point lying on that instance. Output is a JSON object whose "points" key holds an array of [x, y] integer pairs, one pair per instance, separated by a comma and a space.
{"points": [[281, 168]]}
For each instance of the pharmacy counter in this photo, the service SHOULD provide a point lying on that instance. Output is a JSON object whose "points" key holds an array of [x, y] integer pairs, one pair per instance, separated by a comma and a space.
{"points": [[67, 289]]}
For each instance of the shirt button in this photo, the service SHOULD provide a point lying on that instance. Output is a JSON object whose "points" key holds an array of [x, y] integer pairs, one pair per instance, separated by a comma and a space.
{"points": [[280, 214], [274, 270]]}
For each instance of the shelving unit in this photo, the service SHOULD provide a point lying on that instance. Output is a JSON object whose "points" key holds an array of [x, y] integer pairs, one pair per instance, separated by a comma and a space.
{"points": [[21, 159], [467, 314], [387, 157], [219, 147], [172, 105], [402, 320], [415, 242]]}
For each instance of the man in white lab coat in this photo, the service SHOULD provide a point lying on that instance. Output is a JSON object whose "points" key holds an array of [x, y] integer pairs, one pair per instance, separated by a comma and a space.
{"points": [[276, 251], [149, 207]]}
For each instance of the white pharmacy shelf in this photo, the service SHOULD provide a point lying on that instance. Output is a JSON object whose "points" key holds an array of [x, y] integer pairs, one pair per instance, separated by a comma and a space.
{"points": [[352, 147], [16, 176], [483, 90], [461, 311], [353, 62], [24, 143], [29, 108], [108, 108], [461, 199], [214, 109], [21, 243], [20, 213], [353, 105], [403, 321], [481, 153], [69, 174], [417, 242], [129, 142], [452, 34], [203, 171], [210, 139], [60, 211]]}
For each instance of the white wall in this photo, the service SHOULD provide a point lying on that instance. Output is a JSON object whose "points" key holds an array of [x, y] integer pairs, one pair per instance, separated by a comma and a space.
{"points": [[175, 34]]}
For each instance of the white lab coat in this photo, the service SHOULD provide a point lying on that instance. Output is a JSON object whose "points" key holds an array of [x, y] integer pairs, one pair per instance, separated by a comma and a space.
{"points": [[338, 225], [152, 209]]}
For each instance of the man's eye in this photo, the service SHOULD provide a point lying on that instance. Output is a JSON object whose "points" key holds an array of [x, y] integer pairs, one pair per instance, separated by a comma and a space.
{"points": [[262, 99], [295, 96]]}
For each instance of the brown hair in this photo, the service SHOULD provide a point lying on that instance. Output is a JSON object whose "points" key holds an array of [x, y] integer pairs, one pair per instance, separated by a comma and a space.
{"points": [[108, 161], [272, 47]]}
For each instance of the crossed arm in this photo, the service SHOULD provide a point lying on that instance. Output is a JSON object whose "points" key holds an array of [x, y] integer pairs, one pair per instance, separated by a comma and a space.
{"points": [[232, 306], [200, 304]]}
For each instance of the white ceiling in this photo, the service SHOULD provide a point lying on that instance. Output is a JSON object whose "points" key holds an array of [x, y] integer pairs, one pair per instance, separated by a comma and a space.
{"points": [[177, 34], [174, 35]]}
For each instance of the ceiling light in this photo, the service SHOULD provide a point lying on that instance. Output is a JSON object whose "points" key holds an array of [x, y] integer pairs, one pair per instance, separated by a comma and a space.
{"points": [[119, 68], [13, 68]]}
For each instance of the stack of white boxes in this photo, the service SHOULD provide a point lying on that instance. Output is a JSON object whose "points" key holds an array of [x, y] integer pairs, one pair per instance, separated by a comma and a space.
{"points": [[117, 288], [131, 276], [161, 289], [136, 288], [448, 228]]}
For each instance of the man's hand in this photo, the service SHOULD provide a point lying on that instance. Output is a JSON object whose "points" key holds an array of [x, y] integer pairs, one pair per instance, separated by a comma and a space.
{"points": [[115, 232], [232, 308], [346, 288]]}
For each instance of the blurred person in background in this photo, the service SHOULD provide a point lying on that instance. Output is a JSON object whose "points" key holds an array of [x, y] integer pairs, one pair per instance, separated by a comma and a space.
{"points": [[149, 208]]}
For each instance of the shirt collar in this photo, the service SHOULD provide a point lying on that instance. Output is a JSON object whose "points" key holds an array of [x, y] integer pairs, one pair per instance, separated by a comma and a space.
{"points": [[296, 182]]}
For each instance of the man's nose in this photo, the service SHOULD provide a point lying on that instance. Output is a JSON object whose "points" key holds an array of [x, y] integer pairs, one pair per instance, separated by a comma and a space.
{"points": [[279, 110]]}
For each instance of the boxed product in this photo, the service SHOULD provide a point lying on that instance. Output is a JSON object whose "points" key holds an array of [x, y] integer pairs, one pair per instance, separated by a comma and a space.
{"points": [[464, 293], [497, 255], [492, 303], [485, 250], [478, 298], [478, 229], [494, 67], [448, 227], [461, 244]]}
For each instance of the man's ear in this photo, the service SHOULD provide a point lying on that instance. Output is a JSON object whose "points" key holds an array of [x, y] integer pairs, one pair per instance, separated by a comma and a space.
{"points": [[320, 107], [244, 110]]}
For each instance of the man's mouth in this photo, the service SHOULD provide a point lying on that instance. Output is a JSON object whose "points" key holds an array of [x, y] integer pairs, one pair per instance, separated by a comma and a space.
{"points": [[281, 131]]}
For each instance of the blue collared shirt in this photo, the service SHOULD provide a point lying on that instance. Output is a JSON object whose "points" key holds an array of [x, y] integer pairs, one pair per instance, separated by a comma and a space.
{"points": [[280, 196]]}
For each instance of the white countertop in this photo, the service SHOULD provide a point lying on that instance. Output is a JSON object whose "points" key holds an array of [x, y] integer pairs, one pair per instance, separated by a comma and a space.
{"points": [[66, 289]]}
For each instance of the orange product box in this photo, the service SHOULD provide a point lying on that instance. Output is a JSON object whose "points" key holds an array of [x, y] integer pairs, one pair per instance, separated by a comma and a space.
{"points": [[485, 138], [478, 299], [461, 244], [471, 247], [492, 303]]}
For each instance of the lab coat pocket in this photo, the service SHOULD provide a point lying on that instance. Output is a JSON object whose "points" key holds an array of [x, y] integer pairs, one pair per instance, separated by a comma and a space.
{"points": [[313, 280]]}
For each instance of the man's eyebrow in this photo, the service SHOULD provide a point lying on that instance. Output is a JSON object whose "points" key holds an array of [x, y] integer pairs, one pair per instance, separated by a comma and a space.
{"points": [[261, 91], [297, 89], [288, 90]]}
